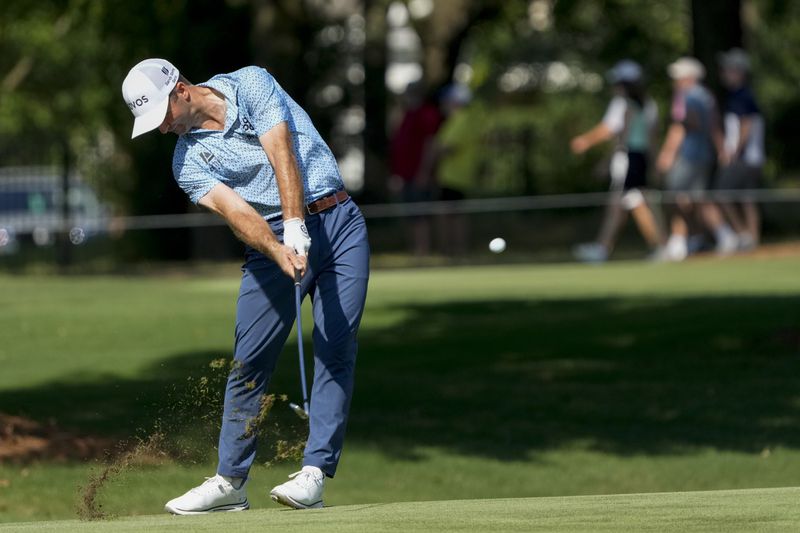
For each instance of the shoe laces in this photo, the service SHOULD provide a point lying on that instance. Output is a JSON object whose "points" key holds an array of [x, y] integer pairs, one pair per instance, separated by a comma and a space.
{"points": [[210, 483], [305, 478]]}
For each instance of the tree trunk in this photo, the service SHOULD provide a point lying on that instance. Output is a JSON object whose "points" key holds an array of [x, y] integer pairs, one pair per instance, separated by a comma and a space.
{"points": [[375, 101], [716, 27]]}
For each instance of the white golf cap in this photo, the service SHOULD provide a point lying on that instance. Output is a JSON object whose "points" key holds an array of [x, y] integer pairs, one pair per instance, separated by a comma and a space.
{"points": [[686, 67], [146, 91]]}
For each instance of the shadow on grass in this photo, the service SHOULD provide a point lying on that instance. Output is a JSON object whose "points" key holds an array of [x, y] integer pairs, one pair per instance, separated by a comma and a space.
{"points": [[503, 379]]}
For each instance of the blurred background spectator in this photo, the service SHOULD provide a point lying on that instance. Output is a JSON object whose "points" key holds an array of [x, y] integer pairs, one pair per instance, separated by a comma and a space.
{"points": [[413, 159], [687, 158], [632, 119], [742, 158]]}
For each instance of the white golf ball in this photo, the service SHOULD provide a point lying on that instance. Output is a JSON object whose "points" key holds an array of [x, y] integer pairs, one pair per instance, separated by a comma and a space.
{"points": [[497, 245]]}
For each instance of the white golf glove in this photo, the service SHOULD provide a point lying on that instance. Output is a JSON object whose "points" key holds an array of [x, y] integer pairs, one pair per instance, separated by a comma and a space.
{"points": [[295, 235]]}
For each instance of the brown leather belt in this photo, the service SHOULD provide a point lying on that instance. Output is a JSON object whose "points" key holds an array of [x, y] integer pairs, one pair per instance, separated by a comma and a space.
{"points": [[322, 204]]}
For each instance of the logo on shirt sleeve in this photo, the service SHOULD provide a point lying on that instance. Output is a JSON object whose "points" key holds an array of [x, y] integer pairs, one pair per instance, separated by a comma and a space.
{"points": [[208, 157], [246, 125]]}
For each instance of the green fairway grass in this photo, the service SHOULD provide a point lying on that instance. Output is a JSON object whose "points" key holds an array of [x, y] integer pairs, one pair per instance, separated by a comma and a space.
{"points": [[473, 382], [721, 511]]}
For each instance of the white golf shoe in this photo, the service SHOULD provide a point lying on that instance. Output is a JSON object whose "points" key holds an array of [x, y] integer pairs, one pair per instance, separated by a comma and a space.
{"points": [[676, 249], [303, 490], [215, 494], [727, 243], [590, 252]]}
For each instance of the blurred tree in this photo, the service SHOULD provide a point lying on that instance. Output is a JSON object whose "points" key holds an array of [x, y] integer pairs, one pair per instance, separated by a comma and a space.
{"points": [[716, 26], [375, 100], [536, 67], [50, 87], [61, 76], [444, 31], [772, 36]]}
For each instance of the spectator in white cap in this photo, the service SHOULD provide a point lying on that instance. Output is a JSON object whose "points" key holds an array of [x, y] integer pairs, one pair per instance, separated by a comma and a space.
{"points": [[688, 156], [631, 120], [742, 158]]}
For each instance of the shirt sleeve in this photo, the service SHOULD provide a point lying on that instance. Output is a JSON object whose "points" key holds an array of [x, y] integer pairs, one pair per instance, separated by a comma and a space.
{"points": [[262, 99], [614, 119], [195, 180]]}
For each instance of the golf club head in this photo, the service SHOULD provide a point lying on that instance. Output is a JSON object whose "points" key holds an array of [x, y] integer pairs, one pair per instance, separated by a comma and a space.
{"points": [[299, 411]]}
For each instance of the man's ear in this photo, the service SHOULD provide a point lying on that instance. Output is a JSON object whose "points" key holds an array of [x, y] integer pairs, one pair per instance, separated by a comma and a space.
{"points": [[182, 91]]}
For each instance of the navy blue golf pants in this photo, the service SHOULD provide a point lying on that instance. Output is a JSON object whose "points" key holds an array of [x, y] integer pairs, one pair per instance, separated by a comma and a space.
{"points": [[336, 281]]}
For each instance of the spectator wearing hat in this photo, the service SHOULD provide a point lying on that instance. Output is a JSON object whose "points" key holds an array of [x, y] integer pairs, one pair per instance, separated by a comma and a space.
{"points": [[742, 158], [410, 153], [687, 159], [631, 119]]}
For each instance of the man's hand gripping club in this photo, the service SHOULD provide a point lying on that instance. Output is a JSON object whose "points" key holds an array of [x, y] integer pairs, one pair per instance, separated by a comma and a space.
{"points": [[297, 240]]}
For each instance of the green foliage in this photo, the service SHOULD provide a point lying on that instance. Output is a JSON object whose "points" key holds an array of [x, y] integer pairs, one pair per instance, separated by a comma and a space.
{"points": [[773, 38], [63, 62], [52, 89], [516, 140], [588, 37], [520, 148]]}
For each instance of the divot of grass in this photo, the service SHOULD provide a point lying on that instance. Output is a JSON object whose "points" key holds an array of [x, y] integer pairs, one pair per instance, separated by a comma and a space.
{"points": [[144, 452], [204, 398]]}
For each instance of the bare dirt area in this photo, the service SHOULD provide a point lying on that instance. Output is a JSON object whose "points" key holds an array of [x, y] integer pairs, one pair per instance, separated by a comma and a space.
{"points": [[765, 251], [774, 251], [23, 440]]}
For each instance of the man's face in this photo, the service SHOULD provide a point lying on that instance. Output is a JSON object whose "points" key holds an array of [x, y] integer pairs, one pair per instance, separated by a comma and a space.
{"points": [[177, 119], [684, 84], [732, 78]]}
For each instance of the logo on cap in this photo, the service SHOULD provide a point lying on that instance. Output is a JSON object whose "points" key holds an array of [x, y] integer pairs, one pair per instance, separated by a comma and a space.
{"points": [[138, 102]]}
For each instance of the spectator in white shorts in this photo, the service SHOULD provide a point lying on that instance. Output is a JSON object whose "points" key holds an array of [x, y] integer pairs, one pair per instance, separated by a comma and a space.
{"points": [[631, 118], [743, 148], [687, 159]]}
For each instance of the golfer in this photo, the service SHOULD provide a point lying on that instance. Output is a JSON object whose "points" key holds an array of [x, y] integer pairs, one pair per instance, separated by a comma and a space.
{"points": [[249, 153]]}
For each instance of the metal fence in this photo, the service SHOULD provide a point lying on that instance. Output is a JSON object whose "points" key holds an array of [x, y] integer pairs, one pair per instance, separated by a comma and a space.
{"points": [[48, 216]]}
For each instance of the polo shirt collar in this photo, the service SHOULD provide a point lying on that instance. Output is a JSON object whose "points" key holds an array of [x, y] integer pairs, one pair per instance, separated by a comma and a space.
{"points": [[231, 109]]}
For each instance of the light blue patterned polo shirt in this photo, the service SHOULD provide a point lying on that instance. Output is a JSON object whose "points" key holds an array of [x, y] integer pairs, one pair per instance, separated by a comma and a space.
{"points": [[235, 157]]}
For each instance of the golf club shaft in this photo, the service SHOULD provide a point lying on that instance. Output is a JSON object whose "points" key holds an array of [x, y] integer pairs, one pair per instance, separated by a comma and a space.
{"points": [[298, 299]]}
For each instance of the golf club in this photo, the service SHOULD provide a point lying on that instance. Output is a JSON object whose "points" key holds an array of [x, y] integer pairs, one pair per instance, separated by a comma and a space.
{"points": [[302, 412]]}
